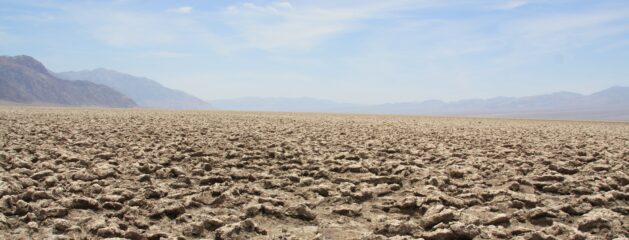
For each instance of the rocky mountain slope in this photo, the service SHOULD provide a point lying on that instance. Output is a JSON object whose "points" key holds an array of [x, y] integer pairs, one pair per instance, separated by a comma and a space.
{"points": [[25, 80], [144, 91]]}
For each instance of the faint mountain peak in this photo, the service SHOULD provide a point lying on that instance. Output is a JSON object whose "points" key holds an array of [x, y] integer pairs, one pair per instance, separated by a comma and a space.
{"points": [[144, 91], [433, 101], [565, 93], [616, 95], [102, 70], [614, 90]]}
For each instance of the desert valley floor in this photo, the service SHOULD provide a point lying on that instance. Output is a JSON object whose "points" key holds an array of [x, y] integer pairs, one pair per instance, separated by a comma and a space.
{"points": [[141, 174]]}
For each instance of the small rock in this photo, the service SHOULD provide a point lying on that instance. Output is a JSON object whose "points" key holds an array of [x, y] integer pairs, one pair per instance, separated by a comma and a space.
{"points": [[112, 205], [42, 174], [112, 198], [549, 178], [104, 170], [214, 180], [231, 154], [22, 207], [172, 211], [541, 216], [144, 178], [596, 219], [109, 232], [396, 227], [562, 231], [439, 234], [563, 169], [464, 231], [596, 200], [348, 210], [252, 210], [52, 212], [530, 200], [442, 217], [498, 219], [538, 236], [194, 229], [601, 167], [105, 155], [273, 201], [384, 179], [577, 208], [456, 173], [82, 203], [232, 231], [33, 226], [302, 212], [213, 223], [60, 225], [133, 235]]}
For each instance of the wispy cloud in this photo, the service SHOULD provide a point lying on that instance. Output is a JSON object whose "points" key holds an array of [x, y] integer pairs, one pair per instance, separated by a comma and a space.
{"points": [[549, 34], [129, 29], [167, 54], [182, 10], [513, 4], [282, 25], [126, 28], [4, 37]]}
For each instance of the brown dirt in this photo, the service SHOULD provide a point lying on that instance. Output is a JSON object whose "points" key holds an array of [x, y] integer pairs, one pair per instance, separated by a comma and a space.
{"points": [[138, 174]]}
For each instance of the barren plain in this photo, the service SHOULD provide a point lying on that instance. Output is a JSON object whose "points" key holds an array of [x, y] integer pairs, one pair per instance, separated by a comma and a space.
{"points": [[141, 174]]}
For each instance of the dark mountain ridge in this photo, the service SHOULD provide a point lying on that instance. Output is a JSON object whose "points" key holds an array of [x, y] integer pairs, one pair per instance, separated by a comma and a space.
{"points": [[27, 81]]}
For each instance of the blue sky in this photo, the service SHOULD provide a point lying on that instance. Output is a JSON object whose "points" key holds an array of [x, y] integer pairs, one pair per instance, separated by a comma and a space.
{"points": [[367, 51]]}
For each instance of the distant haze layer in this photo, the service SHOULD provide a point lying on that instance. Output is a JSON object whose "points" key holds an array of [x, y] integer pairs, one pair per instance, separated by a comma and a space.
{"points": [[608, 104], [144, 91]]}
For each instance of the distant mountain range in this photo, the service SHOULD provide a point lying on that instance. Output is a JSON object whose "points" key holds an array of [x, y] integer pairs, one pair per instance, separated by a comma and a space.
{"points": [[609, 104], [145, 92], [24, 80]]}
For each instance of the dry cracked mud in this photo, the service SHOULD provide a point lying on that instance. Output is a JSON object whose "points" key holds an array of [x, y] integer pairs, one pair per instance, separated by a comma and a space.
{"points": [[140, 174]]}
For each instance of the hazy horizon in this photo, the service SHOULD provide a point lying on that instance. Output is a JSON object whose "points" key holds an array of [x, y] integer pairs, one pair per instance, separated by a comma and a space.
{"points": [[419, 100], [362, 52]]}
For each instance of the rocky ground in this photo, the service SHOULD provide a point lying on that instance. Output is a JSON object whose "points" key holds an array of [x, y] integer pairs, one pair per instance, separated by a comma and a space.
{"points": [[138, 174]]}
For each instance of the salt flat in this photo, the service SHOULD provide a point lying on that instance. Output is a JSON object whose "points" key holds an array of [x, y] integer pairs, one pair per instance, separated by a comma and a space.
{"points": [[143, 174]]}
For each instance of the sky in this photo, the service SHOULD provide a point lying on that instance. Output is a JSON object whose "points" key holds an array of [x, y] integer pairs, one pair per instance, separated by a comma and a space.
{"points": [[356, 51]]}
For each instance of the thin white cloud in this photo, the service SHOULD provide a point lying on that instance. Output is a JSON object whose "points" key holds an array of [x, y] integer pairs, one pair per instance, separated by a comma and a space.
{"points": [[283, 25], [4, 37], [561, 32], [167, 54], [129, 29], [182, 10], [509, 5]]}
